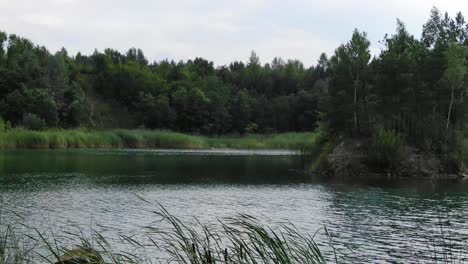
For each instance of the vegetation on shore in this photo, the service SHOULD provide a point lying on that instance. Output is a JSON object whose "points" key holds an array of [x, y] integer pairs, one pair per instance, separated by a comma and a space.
{"points": [[404, 105], [120, 138], [410, 95]]}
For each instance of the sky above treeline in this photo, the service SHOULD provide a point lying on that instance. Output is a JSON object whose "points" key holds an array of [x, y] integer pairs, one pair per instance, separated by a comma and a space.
{"points": [[217, 30]]}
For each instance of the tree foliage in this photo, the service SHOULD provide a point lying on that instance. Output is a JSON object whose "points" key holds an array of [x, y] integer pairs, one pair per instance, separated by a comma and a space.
{"points": [[414, 87]]}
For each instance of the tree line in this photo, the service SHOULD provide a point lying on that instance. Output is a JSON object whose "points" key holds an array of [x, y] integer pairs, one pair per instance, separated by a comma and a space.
{"points": [[110, 89], [414, 86]]}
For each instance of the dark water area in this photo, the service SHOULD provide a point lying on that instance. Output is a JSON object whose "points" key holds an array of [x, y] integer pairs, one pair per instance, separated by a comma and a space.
{"points": [[371, 221]]}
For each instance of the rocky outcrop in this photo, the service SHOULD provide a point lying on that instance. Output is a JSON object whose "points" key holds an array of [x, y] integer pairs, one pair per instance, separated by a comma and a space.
{"points": [[419, 164], [350, 159]]}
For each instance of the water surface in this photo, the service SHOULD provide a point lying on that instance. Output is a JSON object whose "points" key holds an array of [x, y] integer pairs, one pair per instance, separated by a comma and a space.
{"points": [[403, 221]]}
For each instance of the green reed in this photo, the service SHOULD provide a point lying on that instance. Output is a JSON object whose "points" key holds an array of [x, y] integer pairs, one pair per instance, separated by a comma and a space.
{"points": [[121, 138], [241, 239]]}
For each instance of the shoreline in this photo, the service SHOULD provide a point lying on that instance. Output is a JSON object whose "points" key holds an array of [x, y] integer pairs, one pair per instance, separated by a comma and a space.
{"points": [[153, 139], [179, 151]]}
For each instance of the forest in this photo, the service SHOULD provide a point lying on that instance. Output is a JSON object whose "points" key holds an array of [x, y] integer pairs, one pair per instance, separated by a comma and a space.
{"points": [[414, 87]]}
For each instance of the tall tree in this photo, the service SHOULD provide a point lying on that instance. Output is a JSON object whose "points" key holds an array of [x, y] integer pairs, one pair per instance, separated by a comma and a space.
{"points": [[350, 64], [3, 39], [456, 74], [433, 30]]}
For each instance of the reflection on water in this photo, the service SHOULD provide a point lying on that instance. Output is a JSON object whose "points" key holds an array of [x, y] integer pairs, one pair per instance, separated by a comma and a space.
{"points": [[148, 167], [371, 222]]}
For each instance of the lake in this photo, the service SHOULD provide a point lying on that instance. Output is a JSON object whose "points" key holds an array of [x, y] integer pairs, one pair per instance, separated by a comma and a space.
{"points": [[394, 221]]}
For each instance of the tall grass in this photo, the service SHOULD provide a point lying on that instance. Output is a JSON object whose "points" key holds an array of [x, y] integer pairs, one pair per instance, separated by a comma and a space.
{"points": [[239, 240], [11, 250], [120, 138]]}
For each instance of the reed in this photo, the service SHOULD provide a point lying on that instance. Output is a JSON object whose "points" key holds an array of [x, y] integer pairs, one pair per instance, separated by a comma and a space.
{"points": [[242, 239], [121, 138]]}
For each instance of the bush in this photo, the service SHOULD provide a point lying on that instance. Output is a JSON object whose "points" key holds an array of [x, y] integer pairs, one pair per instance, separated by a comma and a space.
{"points": [[4, 125], [457, 159], [386, 149], [251, 128], [33, 122]]}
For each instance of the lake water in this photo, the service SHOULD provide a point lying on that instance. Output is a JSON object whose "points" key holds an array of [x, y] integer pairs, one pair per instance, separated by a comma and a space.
{"points": [[404, 221]]}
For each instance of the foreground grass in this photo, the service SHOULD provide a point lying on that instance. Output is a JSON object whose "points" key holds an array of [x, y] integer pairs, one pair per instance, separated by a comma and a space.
{"points": [[237, 240], [120, 138]]}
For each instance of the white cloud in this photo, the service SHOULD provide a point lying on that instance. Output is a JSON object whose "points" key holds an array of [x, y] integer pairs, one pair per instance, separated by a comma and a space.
{"points": [[218, 30], [44, 20]]}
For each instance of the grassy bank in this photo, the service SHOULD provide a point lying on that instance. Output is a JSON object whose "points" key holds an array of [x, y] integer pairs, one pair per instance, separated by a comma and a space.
{"points": [[61, 139]]}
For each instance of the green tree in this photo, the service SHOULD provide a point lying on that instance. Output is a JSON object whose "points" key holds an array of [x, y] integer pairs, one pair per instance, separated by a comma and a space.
{"points": [[349, 66], [241, 107], [433, 31], [456, 74], [407, 88], [35, 101], [3, 39]]}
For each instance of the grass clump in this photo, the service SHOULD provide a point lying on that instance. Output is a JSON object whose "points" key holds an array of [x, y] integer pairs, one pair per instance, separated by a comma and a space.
{"points": [[457, 159], [11, 250], [167, 139], [319, 158], [293, 140], [239, 240], [386, 149], [21, 138]]}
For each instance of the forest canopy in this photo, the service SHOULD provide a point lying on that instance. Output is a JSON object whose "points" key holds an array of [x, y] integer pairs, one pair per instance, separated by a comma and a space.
{"points": [[414, 86]]}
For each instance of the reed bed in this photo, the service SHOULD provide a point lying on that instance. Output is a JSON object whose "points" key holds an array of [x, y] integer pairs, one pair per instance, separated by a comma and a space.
{"points": [[121, 138], [239, 240]]}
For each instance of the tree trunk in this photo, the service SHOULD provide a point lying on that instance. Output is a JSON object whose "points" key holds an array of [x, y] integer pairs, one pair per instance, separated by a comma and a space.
{"points": [[450, 109], [355, 107]]}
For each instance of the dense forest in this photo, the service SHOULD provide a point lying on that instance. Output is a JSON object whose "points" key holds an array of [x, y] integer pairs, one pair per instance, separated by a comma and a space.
{"points": [[414, 87]]}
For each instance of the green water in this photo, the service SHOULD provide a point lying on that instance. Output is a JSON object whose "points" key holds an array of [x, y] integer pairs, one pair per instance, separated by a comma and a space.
{"points": [[371, 222]]}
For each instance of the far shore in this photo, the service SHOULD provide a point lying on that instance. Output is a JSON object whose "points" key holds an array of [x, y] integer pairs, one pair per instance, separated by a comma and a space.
{"points": [[152, 139]]}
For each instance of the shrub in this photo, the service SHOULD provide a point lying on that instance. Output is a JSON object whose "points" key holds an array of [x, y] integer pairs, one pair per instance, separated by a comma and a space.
{"points": [[2, 125], [33, 122], [386, 149], [457, 159], [251, 128]]}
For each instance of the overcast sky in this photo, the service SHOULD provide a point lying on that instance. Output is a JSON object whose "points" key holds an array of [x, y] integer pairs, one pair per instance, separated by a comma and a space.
{"points": [[218, 30]]}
